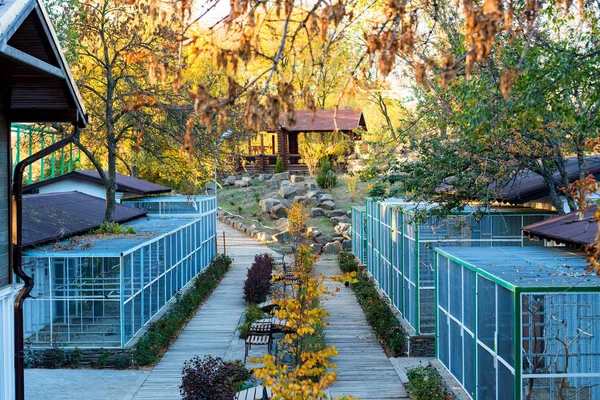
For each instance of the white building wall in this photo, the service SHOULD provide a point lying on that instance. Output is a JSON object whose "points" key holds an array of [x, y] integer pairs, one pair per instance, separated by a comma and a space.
{"points": [[70, 185], [7, 341]]}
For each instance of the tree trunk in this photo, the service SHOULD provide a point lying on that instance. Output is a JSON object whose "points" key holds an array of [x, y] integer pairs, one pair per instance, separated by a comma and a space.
{"points": [[111, 187]]}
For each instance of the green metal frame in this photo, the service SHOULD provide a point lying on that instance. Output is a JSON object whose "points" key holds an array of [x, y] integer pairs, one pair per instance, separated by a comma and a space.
{"points": [[517, 292], [24, 147]]}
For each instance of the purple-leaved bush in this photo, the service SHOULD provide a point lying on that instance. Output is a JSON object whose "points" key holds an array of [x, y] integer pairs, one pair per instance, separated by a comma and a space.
{"points": [[212, 378], [258, 282]]}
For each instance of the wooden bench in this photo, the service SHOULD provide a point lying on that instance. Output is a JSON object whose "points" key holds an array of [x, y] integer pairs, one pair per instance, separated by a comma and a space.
{"points": [[255, 393], [259, 334]]}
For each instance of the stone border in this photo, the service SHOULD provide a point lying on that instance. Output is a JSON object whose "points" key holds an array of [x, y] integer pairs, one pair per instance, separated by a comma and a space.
{"points": [[241, 226]]}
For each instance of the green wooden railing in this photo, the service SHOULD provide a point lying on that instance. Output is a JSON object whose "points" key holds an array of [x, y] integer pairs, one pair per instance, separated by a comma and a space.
{"points": [[29, 139]]}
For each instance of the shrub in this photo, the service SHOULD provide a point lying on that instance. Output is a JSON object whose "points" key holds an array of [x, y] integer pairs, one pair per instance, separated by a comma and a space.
{"points": [[279, 165], [113, 228], [326, 177], [211, 378], [380, 316], [425, 383], [347, 262], [351, 183], [258, 283], [252, 314], [161, 333]]}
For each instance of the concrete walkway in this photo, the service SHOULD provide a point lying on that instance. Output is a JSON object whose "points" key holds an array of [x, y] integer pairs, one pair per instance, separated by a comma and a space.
{"points": [[363, 369], [213, 329]]}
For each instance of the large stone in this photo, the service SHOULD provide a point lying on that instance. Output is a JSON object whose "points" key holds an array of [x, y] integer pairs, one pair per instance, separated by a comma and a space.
{"points": [[347, 245], [326, 197], [337, 213], [328, 205], [243, 183], [313, 193], [300, 199], [338, 220], [230, 180], [332, 248], [317, 212], [282, 176], [281, 224], [282, 237], [264, 177], [311, 186], [267, 204], [343, 229], [323, 239], [297, 178], [313, 232], [279, 211], [316, 248], [287, 191], [300, 189]]}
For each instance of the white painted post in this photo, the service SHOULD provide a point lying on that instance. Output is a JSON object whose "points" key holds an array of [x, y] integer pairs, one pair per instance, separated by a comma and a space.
{"points": [[7, 340]]}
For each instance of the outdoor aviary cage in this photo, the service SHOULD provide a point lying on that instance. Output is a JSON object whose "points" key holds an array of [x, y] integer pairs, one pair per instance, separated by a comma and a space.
{"points": [[358, 233], [519, 322], [101, 290], [401, 238], [171, 206]]}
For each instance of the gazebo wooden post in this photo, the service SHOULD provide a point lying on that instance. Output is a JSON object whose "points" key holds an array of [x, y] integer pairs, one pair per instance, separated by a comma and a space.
{"points": [[262, 152]]}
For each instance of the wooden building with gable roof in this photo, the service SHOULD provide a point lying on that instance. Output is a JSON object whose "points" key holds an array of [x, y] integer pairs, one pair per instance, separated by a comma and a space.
{"points": [[36, 86]]}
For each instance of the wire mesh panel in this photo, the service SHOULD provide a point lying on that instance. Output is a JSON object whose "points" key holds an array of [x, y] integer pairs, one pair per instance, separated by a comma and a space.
{"points": [[561, 351], [103, 294], [358, 233], [523, 323], [401, 245], [75, 300], [172, 206]]}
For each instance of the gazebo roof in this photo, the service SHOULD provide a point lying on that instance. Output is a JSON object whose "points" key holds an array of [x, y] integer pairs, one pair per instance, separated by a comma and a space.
{"points": [[325, 121]]}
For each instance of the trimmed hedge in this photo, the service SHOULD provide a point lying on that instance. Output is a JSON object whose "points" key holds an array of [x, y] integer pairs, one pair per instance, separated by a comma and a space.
{"points": [[378, 313], [164, 331]]}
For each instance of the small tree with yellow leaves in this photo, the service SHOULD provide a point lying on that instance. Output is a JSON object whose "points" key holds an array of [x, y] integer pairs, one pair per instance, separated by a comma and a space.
{"points": [[311, 373]]}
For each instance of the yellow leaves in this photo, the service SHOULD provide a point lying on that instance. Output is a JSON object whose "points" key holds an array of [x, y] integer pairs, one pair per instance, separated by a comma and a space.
{"points": [[507, 80], [297, 217], [420, 74], [137, 101], [448, 69]]}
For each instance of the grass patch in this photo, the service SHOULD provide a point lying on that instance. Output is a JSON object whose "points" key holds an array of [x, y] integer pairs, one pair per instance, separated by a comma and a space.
{"points": [[379, 315], [155, 342]]}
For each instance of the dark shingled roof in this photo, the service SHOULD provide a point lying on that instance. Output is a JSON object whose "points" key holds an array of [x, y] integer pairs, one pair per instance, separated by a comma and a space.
{"points": [[325, 121], [568, 229], [53, 216], [528, 185], [125, 184]]}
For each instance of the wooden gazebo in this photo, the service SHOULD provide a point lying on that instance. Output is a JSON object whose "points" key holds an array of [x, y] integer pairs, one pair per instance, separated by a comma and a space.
{"points": [[262, 150]]}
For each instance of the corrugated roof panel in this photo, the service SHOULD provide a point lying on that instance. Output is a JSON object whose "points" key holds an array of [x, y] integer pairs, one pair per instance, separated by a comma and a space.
{"points": [[568, 228]]}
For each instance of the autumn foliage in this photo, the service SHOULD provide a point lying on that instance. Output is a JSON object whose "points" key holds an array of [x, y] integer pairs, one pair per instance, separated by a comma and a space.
{"points": [[311, 370]]}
